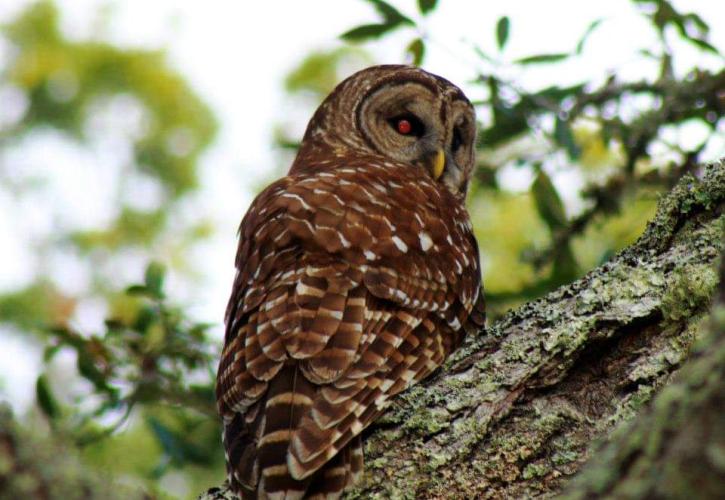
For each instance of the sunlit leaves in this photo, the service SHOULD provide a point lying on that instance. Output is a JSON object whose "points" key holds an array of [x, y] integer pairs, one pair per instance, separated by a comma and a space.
{"points": [[514, 115], [64, 78], [320, 71], [71, 85], [36, 306], [144, 357], [506, 225], [502, 31], [690, 26], [132, 227]]}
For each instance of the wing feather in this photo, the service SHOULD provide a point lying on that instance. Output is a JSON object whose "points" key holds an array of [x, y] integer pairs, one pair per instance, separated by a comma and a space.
{"points": [[337, 307]]}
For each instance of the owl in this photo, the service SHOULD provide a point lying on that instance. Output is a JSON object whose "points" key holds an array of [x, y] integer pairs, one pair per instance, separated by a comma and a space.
{"points": [[357, 275]]}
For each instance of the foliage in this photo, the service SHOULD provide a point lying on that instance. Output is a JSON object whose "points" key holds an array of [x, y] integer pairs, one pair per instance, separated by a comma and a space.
{"points": [[154, 359], [94, 96], [81, 92]]}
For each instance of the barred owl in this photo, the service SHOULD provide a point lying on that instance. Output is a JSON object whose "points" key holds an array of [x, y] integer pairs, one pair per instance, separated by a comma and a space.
{"points": [[357, 275]]}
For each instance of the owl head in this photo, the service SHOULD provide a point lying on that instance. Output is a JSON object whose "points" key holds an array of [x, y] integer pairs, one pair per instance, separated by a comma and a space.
{"points": [[398, 113]]}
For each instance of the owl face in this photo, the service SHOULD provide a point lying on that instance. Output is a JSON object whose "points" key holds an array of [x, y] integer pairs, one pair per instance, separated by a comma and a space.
{"points": [[403, 114]]}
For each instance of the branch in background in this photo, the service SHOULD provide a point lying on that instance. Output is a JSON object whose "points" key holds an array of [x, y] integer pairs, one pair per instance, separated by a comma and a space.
{"points": [[699, 97]]}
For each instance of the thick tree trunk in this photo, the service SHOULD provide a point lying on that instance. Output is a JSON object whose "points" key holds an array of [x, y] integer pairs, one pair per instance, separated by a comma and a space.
{"points": [[519, 410]]}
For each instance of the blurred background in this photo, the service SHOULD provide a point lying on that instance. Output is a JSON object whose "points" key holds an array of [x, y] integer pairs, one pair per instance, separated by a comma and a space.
{"points": [[134, 134]]}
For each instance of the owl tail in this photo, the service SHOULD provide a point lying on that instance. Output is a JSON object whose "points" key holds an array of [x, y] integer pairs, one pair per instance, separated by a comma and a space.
{"points": [[257, 445]]}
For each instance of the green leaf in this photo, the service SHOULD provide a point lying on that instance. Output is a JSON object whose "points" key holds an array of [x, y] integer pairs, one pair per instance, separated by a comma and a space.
{"points": [[170, 441], [592, 26], [154, 278], [392, 18], [46, 400], [139, 290], [367, 32], [425, 6], [502, 32], [542, 58], [697, 21], [703, 44], [565, 138], [176, 444], [416, 49], [390, 14], [508, 121], [548, 202], [50, 351]]}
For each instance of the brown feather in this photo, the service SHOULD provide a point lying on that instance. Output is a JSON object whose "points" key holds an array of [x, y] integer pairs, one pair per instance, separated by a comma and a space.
{"points": [[357, 275]]}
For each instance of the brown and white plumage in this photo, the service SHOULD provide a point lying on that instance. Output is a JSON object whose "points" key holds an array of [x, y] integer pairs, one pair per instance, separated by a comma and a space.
{"points": [[357, 275]]}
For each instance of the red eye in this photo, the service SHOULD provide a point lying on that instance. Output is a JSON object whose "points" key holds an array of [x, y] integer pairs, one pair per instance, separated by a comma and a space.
{"points": [[407, 124], [404, 126]]}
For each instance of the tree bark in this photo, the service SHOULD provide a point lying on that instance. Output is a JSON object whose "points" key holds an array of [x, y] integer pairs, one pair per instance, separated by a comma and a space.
{"points": [[520, 409], [676, 449]]}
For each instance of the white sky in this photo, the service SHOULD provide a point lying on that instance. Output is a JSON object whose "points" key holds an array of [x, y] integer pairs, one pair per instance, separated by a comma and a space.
{"points": [[235, 54]]}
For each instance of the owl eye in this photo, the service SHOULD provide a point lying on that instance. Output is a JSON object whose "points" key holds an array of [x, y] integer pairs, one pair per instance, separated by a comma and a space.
{"points": [[457, 140], [408, 125]]}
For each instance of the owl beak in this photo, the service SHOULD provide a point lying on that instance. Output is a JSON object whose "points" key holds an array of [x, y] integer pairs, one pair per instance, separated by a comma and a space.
{"points": [[438, 164]]}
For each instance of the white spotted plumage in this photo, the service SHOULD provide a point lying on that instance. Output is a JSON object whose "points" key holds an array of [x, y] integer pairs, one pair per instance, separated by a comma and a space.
{"points": [[355, 275]]}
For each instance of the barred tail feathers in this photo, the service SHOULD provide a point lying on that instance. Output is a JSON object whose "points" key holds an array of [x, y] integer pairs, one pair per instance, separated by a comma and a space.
{"points": [[258, 443]]}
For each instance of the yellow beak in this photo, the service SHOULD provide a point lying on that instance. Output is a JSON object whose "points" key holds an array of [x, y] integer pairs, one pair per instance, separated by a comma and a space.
{"points": [[438, 164]]}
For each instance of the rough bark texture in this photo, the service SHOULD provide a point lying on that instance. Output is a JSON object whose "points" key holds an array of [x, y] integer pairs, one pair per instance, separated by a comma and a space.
{"points": [[676, 449], [518, 411]]}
